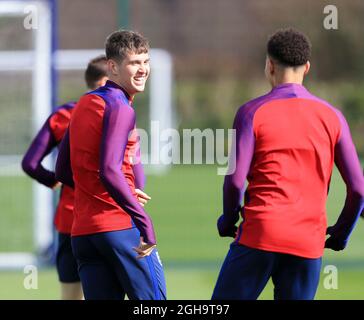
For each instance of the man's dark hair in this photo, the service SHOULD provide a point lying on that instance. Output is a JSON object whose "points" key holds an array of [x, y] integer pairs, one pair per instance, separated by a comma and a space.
{"points": [[120, 42], [96, 70], [289, 47]]}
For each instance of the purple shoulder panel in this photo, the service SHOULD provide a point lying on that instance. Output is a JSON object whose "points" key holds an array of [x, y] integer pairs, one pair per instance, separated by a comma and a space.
{"points": [[68, 106], [64, 172]]}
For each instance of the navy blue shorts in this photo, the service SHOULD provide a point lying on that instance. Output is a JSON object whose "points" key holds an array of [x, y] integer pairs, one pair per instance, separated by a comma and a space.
{"points": [[109, 268], [65, 261], [246, 271]]}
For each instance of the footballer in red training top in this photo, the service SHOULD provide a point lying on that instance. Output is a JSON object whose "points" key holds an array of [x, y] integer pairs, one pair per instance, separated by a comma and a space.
{"points": [[112, 235], [286, 144]]}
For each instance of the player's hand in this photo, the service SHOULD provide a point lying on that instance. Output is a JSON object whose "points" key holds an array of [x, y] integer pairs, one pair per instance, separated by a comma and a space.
{"points": [[334, 243], [144, 249], [57, 185], [226, 230], [143, 198]]}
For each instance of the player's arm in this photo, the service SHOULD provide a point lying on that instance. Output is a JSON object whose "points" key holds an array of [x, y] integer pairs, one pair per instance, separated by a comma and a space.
{"points": [[40, 147], [347, 161], [63, 165], [139, 175], [362, 213], [239, 165], [138, 168], [118, 122]]}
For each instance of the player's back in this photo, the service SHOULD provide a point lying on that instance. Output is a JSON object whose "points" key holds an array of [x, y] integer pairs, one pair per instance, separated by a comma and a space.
{"points": [[58, 123], [295, 137]]}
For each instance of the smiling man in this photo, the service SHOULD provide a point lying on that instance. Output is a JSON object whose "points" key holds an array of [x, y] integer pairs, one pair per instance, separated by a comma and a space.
{"points": [[112, 236]]}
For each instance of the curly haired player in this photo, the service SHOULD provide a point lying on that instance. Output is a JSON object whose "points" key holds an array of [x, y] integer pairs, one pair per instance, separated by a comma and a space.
{"points": [[286, 144]]}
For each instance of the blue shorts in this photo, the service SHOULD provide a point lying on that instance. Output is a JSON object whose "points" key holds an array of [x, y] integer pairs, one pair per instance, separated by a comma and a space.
{"points": [[109, 268], [65, 261], [246, 271]]}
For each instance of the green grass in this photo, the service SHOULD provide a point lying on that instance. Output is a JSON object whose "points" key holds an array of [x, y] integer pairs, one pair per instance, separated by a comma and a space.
{"points": [[182, 284], [185, 205], [16, 219]]}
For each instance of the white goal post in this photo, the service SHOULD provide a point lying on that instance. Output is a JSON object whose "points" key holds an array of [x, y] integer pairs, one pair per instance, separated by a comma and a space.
{"points": [[38, 62]]}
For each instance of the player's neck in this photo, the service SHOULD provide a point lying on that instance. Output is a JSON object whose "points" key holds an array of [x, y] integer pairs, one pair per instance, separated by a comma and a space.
{"points": [[287, 78], [130, 97]]}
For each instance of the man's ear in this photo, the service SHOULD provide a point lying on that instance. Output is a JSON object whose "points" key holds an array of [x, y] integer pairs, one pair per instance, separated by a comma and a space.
{"points": [[113, 67], [307, 67], [271, 66]]}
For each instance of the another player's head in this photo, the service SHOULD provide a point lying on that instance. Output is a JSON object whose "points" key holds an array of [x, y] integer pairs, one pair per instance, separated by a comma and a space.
{"points": [[288, 55], [127, 53], [96, 72]]}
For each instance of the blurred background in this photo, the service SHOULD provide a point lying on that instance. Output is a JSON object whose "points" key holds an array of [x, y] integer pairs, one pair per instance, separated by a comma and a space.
{"points": [[218, 53]]}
